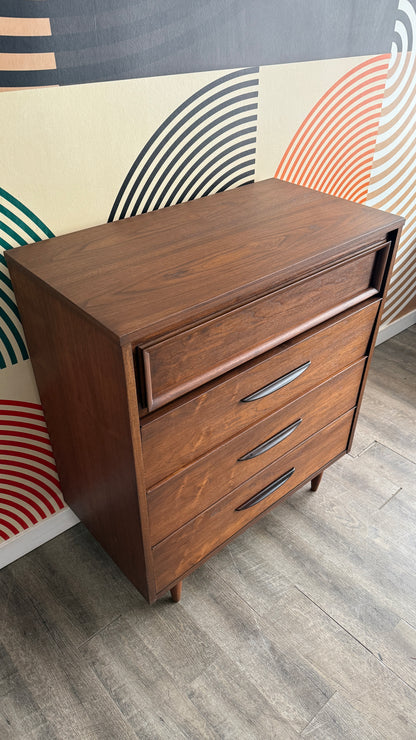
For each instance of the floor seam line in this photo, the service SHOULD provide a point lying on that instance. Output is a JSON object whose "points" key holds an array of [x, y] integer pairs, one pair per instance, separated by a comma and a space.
{"points": [[81, 644], [379, 660]]}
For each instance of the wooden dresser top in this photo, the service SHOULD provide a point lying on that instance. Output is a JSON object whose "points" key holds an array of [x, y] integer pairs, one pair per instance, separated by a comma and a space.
{"points": [[162, 270]]}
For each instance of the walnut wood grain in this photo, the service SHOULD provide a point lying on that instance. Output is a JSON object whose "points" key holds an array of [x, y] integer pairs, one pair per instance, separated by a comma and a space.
{"points": [[216, 413], [81, 382], [316, 481], [190, 544], [145, 276], [199, 485], [183, 362], [176, 592], [174, 280]]}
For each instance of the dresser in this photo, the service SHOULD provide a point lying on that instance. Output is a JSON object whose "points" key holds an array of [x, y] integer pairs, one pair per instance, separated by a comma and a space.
{"points": [[198, 364]]}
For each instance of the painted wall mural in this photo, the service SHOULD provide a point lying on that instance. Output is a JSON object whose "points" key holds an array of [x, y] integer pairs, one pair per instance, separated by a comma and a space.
{"points": [[29, 487], [206, 145], [116, 108]]}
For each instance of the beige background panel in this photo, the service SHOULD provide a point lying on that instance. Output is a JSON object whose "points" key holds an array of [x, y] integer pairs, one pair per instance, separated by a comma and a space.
{"points": [[66, 150], [287, 94], [17, 383]]}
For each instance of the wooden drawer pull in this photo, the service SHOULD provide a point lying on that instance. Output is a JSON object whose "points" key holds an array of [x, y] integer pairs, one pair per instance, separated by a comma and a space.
{"points": [[279, 383], [271, 442], [271, 488]]}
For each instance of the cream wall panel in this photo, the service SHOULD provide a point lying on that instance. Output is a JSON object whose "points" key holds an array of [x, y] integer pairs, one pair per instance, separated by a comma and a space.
{"points": [[65, 151], [17, 383], [288, 92]]}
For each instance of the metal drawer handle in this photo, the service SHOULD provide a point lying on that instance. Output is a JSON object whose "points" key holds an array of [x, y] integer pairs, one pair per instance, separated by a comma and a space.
{"points": [[271, 488], [279, 383], [269, 443]]}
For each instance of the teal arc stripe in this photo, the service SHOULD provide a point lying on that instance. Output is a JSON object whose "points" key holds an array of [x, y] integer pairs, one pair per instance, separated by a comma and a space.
{"points": [[18, 337], [14, 235], [18, 222], [24, 209], [6, 280], [9, 302], [6, 341]]}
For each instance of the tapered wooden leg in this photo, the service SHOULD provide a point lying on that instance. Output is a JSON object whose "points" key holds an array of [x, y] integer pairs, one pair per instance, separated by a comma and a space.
{"points": [[316, 481], [176, 591]]}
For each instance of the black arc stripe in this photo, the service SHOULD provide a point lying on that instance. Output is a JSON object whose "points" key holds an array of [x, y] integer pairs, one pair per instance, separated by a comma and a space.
{"points": [[182, 107]]}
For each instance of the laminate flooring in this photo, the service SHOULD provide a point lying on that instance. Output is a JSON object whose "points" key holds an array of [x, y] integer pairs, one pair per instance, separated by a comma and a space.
{"points": [[303, 627]]}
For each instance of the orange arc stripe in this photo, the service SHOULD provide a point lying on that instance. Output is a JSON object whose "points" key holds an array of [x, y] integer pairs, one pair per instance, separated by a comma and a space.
{"points": [[25, 27], [350, 77], [350, 109], [335, 143], [352, 182], [26, 62], [340, 140], [358, 143], [337, 163], [349, 177], [358, 185], [337, 86]]}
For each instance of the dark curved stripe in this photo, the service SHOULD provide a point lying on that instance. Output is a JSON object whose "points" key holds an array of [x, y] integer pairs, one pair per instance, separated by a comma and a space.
{"points": [[7, 344], [214, 187], [9, 302], [9, 323], [14, 235], [227, 115], [6, 280], [2, 360], [179, 47], [18, 222], [24, 209], [167, 121], [24, 8], [113, 25], [196, 163], [31, 78], [224, 173], [198, 136], [404, 18], [26, 44], [168, 137], [242, 176], [221, 166]]}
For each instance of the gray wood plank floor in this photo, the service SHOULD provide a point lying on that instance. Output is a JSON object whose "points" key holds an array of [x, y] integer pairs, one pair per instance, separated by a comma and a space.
{"points": [[303, 627]]}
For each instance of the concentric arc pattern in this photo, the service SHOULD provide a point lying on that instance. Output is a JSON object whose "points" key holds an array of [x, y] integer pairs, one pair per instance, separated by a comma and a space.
{"points": [[208, 144], [393, 178], [29, 485], [18, 226], [333, 149]]}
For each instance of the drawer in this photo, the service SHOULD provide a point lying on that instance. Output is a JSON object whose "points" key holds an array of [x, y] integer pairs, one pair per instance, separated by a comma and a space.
{"points": [[174, 437], [186, 494], [180, 363], [185, 548]]}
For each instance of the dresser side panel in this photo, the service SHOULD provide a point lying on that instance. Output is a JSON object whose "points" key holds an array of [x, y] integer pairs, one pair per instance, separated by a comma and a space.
{"points": [[80, 376], [382, 276]]}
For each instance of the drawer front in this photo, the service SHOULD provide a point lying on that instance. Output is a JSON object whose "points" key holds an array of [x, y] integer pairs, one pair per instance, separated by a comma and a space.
{"points": [[185, 548], [183, 362], [176, 437], [188, 493]]}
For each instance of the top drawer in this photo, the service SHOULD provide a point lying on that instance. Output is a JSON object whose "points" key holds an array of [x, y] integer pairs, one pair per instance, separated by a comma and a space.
{"points": [[176, 365]]}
